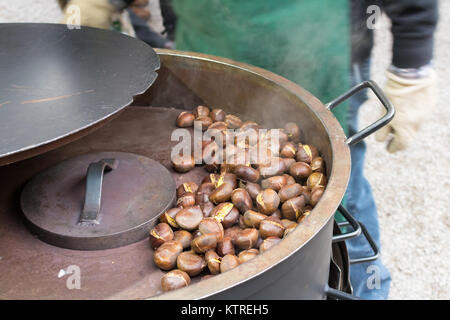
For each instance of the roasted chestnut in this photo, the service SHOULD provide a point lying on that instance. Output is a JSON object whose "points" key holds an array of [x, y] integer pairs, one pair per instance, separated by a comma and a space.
{"points": [[293, 208], [217, 115], [293, 131], [317, 164], [184, 237], [290, 191], [253, 189], [189, 218], [271, 227], [306, 153], [249, 125], [186, 200], [247, 255], [287, 163], [221, 194], [229, 262], [226, 213], [282, 137], [316, 194], [218, 180], [206, 187], [289, 150], [276, 214], [246, 238], [307, 194], [212, 167], [226, 177], [213, 261], [241, 200], [268, 243], [246, 173], [201, 198], [274, 168], [185, 119], [252, 219], [316, 179], [303, 216], [232, 121], [191, 263], [201, 111], [300, 170], [289, 179], [161, 233], [205, 242], [196, 233], [183, 164], [286, 223], [241, 222], [290, 228], [175, 279], [225, 246], [231, 231], [220, 125], [186, 187], [205, 122], [267, 201], [275, 182], [165, 256], [207, 208], [211, 226], [169, 217]]}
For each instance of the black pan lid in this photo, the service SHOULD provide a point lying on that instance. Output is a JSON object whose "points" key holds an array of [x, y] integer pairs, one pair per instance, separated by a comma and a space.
{"points": [[57, 84]]}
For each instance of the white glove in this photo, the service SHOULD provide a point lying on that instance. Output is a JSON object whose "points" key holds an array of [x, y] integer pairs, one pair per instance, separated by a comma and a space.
{"points": [[414, 101]]}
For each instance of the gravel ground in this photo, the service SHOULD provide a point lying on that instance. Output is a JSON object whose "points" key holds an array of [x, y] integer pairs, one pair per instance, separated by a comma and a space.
{"points": [[414, 217]]}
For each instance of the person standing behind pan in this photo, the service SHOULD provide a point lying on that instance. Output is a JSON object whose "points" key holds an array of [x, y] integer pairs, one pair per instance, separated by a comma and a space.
{"points": [[318, 44]]}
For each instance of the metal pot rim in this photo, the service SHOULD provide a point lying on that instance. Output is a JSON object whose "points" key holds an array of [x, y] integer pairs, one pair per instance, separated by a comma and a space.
{"points": [[321, 214]]}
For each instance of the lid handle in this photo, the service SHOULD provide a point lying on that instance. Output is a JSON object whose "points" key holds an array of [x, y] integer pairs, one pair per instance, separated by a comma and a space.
{"points": [[93, 195]]}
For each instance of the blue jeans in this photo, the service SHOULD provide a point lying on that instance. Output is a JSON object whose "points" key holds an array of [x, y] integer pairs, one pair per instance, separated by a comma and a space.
{"points": [[370, 280]]}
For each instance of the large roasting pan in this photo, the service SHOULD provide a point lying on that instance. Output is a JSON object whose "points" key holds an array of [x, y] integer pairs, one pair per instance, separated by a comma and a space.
{"points": [[298, 268]]}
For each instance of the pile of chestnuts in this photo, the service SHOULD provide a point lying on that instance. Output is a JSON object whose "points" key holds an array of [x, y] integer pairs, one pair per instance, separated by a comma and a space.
{"points": [[239, 210]]}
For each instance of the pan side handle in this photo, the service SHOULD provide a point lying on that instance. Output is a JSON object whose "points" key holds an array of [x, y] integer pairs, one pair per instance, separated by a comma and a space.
{"points": [[389, 115]]}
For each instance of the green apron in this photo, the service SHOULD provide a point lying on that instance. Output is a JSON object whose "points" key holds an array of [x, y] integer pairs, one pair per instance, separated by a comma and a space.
{"points": [[305, 41]]}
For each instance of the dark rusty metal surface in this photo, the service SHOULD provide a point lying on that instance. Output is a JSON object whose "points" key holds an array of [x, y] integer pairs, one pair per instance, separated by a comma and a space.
{"points": [[133, 197], [28, 267], [57, 84]]}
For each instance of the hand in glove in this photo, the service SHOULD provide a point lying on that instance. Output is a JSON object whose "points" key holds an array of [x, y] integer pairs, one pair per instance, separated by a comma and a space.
{"points": [[94, 13], [413, 100]]}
